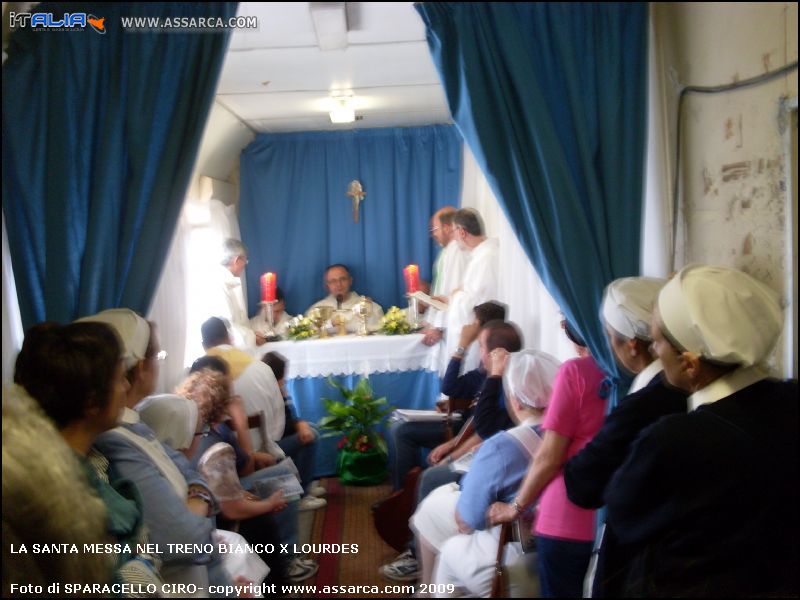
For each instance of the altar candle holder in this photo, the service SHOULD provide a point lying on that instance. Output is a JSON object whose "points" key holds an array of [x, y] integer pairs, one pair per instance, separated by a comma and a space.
{"points": [[413, 312], [269, 314], [411, 276]]}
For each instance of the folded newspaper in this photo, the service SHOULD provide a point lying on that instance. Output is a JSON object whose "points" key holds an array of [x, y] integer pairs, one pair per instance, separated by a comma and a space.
{"points": [[288, 484], [408, 414]]}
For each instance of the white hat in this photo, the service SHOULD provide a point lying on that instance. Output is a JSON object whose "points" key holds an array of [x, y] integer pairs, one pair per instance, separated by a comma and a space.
{"points": [[218, 468], [172, 418], [529, 377], [133, 330], [628, 305], [722, 314]]}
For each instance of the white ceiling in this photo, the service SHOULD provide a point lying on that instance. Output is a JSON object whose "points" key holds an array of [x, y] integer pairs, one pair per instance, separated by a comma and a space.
{"points": [[278, 78]]}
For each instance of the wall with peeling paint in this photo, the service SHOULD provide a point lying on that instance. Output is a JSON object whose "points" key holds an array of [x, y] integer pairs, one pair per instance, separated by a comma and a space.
{"points": [[733, 179]]}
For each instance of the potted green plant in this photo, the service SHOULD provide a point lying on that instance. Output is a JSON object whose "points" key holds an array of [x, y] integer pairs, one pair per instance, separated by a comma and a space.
{"points": [[363, 453]]}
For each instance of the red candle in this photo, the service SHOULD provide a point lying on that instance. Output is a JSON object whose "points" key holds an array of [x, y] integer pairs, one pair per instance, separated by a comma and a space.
{"points": [[411, 275], [268, 284]]}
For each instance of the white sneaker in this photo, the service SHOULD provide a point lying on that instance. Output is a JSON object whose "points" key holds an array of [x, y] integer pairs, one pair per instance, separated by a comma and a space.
{"points": [[315, 489], [311, 503], [403, 568], [301, 569]]}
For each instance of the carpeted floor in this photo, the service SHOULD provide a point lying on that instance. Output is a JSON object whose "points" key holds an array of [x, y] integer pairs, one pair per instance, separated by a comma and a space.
{"points": [[348, 520]]}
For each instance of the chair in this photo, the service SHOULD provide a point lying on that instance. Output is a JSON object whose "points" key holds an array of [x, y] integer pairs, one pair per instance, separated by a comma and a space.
{"points": [[515, 531], [450, 406], [258, 421], [498, 582]]}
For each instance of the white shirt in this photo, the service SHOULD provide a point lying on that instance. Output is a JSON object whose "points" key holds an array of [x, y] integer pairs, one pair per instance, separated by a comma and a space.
{"points": [[260, 393], [373, 321], [480, 284], [259, 323], [228, 303], [452, 266]]}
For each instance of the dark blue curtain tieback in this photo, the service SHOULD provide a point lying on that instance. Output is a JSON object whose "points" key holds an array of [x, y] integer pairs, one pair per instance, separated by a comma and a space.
{"points": [[606, 386]]}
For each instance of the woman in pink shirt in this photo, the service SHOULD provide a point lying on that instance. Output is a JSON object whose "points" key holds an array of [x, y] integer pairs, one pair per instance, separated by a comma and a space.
{"points": [[564, 532]]}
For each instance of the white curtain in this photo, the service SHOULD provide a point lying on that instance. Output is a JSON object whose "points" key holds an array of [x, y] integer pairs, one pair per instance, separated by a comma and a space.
{"points": [[12, 322], [530, 305], [656, 218], [179, 308], [168, 310], [211, 222]]}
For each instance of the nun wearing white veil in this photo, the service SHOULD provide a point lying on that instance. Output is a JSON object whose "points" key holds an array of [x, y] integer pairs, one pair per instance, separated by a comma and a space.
{"points": [[451, 521], [708, 498], [175, 420]]}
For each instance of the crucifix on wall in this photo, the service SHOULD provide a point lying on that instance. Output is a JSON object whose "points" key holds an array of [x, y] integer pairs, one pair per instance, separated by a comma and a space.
{"points": [[356, 193]]}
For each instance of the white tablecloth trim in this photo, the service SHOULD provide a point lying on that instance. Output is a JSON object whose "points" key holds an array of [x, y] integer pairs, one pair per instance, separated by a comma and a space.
{"points": [[355, 355]]}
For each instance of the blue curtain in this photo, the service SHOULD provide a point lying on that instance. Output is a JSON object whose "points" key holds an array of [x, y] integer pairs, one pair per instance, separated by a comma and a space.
{"points": [[100, 134], [551, 98], [295, 218]]}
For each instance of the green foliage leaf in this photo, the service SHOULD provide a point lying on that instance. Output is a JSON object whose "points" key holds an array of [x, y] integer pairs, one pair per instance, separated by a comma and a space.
{"points": [[363, 388], [357, 416], [380, 444]]}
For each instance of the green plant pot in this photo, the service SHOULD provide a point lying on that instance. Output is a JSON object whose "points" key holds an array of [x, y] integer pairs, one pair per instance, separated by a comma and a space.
{"points": [[361, 468]]}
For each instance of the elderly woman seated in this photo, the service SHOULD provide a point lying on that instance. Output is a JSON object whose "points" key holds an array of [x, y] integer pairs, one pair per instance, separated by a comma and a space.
{"points": [[177, 502], [76, 374], [174, 420], [46, 499], [452, 521], [211, 391]]}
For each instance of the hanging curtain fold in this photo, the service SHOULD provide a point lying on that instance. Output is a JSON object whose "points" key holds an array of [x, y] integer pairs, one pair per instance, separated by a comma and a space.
{"points": [[100, 133], [296, 218], [551, 98]]}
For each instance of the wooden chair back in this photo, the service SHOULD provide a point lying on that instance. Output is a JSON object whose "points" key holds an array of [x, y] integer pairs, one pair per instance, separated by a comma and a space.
{"points": [[499, 580], [259, 422]]}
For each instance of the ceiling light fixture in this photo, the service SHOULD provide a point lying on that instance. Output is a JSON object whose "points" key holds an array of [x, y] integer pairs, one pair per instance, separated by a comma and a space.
{"points": [[343, 110]]}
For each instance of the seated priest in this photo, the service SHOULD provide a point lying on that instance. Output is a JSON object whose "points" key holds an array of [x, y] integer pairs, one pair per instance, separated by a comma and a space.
{"points": [[337, 280], [280, 318]]}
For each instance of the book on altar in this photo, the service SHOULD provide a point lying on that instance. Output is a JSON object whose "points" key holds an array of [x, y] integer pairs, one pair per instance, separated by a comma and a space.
{"points": [[408, 414], [425, 298]]}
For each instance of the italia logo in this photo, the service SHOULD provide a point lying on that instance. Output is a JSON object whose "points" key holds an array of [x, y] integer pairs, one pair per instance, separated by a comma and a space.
{"points": [[97, 23]]}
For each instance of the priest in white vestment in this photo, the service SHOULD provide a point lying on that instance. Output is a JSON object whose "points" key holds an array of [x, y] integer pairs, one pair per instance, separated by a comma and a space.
{"points": [[337, 280], [227, 299], [480, 282], [448, 270]]}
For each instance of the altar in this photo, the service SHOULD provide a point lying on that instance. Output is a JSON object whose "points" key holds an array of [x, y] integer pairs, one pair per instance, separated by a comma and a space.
{"points": [[400, 367]]}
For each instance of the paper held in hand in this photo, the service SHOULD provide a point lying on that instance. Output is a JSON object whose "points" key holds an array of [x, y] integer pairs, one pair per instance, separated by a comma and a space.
{"points": [[409, 414], [423, 297], [288, 484], [461, 465]]}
